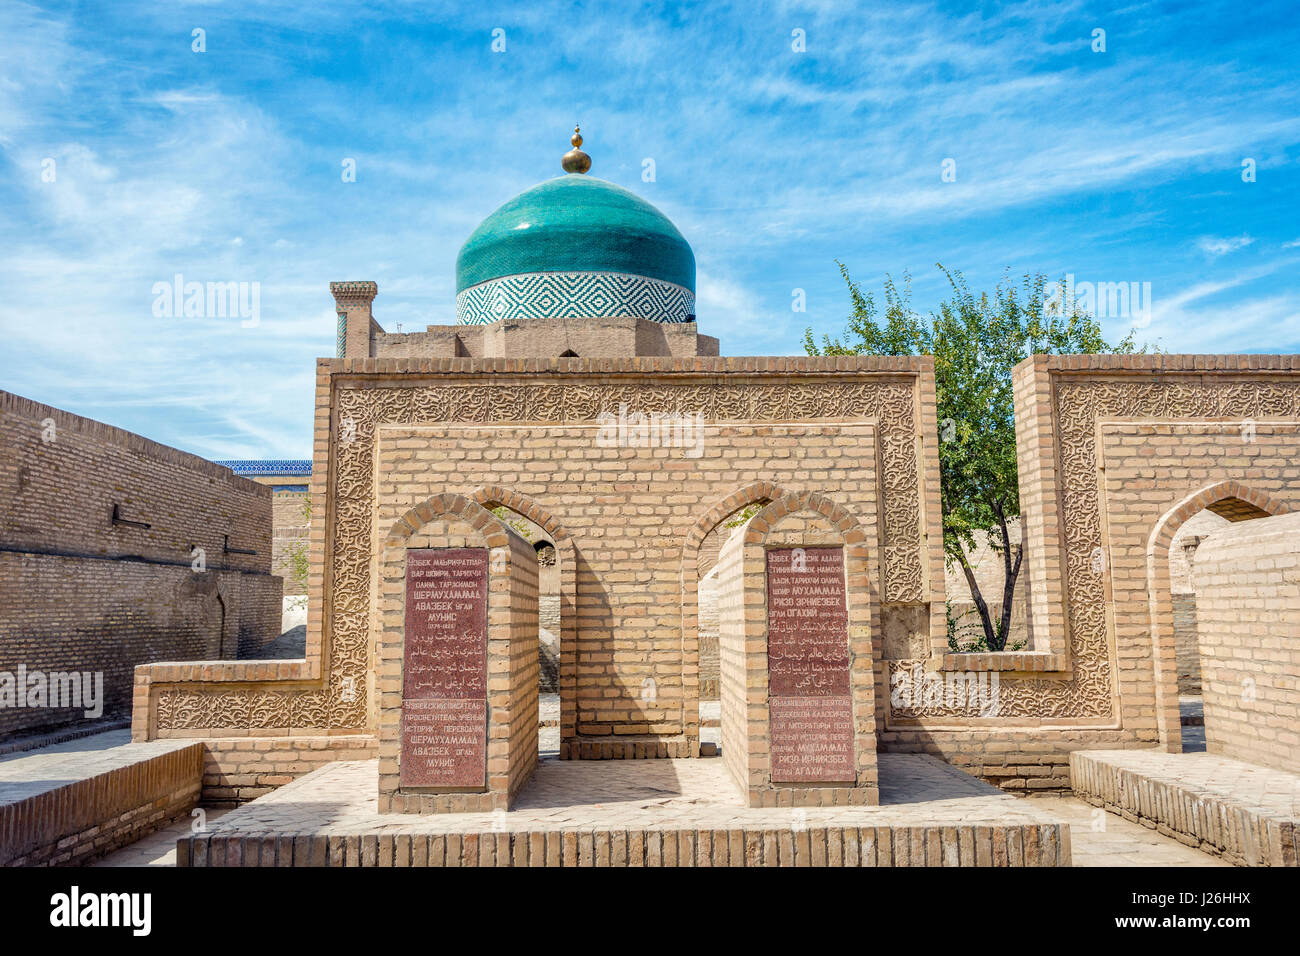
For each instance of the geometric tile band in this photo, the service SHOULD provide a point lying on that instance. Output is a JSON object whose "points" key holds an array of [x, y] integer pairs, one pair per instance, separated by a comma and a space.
{"points": [[574, 295]]}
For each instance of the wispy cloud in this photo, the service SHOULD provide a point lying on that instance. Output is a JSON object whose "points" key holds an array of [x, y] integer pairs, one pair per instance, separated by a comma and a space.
{"points": [[1222, 245]]}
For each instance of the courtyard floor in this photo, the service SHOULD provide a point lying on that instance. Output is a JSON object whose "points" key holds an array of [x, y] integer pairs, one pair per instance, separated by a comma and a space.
{"points": [[639, 792], [1097, 838]]}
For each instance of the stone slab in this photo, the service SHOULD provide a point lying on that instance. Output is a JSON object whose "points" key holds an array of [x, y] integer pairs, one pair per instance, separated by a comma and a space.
{"points": [[444, 669]]}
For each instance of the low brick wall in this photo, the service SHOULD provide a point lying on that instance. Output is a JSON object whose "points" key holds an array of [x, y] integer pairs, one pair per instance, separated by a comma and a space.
{"points": [[1246, 814], [144, 787], [1040, 845]]}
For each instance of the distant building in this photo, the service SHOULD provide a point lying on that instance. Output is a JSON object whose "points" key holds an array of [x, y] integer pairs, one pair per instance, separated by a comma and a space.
{"points": [[289, 481]]}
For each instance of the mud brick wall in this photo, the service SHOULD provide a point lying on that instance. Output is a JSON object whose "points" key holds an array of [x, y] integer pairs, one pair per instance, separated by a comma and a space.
{"points": [[81, 592], [1249, 621]]}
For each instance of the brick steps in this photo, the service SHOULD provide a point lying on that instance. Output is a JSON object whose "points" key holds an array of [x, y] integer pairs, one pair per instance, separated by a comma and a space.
{"points": [[1250, 815]]}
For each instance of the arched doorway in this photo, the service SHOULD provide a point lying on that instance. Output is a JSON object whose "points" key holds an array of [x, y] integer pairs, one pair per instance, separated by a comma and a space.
{"points": [[1171, 571], [701, 704], [556, 593]]}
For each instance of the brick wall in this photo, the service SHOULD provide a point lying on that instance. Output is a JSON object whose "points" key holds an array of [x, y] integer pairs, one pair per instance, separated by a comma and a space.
{"points": [[733, 665], [81, 592], [1249, 619], [612, 337], [709, 661], [1182, 585], [630, 681], [990, 575]]}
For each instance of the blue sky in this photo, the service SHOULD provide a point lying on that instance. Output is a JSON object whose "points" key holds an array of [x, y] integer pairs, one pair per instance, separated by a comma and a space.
{"points": [[1115, 166]]}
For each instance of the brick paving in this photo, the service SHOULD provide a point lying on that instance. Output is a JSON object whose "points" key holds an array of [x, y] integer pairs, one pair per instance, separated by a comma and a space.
{"points": [[1100, 838], [673, 791], [159, 848], [341, 797], [640, 812]]}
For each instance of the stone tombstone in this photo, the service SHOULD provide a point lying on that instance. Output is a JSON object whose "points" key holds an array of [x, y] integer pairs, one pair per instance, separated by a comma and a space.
{"points": [[444, 669], [809, 703]]}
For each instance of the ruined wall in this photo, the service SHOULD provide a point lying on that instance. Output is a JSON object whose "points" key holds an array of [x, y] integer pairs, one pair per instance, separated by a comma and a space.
{"points": [[81, 592], [1249, 609]]}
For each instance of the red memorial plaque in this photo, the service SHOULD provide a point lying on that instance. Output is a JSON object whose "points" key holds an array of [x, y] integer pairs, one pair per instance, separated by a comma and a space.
{"points": [[444, 669], [812, 739], [809, 705], [444, 743]]}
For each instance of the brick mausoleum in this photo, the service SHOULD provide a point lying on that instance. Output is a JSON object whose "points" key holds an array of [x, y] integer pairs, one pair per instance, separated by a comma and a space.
{"points": [[574, 406]]}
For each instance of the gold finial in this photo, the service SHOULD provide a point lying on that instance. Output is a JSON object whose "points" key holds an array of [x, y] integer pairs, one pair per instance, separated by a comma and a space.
{"points": [[575, 160]]}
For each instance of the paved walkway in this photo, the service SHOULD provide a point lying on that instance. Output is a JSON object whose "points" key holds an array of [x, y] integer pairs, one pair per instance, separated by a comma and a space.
{"points": [[159, 848]]}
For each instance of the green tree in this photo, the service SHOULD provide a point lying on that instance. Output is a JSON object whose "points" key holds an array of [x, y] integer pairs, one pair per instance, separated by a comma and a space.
{"points": [[976, 341]]}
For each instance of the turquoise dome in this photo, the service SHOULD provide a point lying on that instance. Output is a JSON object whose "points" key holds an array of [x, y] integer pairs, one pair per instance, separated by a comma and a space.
{"points": [[571, 247]]}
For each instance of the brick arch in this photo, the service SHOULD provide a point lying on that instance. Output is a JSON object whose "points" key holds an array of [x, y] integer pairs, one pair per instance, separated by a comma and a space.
{"points": [[745, 495], [1233, 500], [690, 639], [843, 521], [453, 506], [492, 496]]}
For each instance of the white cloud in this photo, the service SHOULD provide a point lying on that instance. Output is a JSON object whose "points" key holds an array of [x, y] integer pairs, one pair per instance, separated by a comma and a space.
{"points": [[1221, 246]]}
